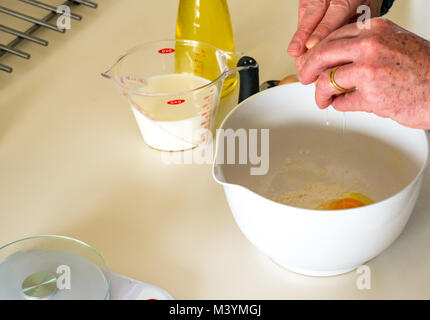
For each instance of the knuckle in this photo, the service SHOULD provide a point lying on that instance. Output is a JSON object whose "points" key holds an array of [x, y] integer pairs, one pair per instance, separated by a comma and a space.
{"points": [[303, 32], [302, 11], [317, 54], [319, 3], [372, 44], [341, 5], [369, 72], [323, 91], [314, 60], [305, 28], [302, 6], [298, 64], [381, 23], [303, 76], [324, 80], [321, 100], [323, 29]]}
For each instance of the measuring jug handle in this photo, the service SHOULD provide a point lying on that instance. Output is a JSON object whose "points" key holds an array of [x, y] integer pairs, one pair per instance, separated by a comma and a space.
{"points": [[249, 78]]}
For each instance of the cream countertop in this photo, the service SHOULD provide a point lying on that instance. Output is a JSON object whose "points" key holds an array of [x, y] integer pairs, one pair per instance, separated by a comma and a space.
{"points": [[72, 162]]}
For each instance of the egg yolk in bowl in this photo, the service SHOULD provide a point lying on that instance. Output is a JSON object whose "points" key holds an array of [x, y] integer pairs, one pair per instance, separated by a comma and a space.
{"points": [[348, 201]]}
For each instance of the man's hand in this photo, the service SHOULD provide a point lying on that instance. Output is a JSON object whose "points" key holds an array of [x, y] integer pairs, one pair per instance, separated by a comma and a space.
{"points": [[319, 18], [389, 66]]}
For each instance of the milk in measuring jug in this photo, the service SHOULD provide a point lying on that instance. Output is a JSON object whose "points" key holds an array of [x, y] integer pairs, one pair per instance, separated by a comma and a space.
{"points": [[170, 114]]}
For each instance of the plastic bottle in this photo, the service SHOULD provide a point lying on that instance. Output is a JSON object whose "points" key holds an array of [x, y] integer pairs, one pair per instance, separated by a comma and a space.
{"points": [[208, 21]]}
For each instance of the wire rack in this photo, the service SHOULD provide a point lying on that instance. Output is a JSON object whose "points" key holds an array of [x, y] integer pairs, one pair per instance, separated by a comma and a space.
{"points": [[36, 23]]}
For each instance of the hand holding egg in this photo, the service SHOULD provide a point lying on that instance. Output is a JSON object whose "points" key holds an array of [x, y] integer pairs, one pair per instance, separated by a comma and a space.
{"points": [[317, 19], [389, 66]]}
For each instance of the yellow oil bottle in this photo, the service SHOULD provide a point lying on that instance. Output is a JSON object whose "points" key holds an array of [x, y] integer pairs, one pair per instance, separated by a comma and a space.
{"points": [[208, 21]]}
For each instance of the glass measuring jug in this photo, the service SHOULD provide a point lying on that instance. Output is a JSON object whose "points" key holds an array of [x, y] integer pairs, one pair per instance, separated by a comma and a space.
{"points": [[173, 88]]}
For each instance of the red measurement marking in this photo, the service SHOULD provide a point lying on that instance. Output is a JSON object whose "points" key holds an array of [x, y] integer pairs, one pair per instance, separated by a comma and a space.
{"points": [[204, 113], [203, 123], [166, 50], [177, 101]]}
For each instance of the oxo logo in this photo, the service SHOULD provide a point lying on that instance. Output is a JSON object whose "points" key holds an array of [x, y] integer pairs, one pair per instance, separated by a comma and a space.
{"points": [[166, 50], [175, 102]]}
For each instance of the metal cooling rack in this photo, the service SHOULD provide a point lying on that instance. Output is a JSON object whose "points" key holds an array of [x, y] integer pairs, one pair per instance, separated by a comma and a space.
{"points": [[10, 48]]}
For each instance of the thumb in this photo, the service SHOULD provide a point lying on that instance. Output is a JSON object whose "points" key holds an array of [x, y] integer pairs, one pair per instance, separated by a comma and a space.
{"points": [[339, 13], [308, 20]]}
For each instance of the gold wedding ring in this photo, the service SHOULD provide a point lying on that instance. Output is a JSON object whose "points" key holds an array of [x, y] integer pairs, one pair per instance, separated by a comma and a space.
{"points": [[336, 86]]}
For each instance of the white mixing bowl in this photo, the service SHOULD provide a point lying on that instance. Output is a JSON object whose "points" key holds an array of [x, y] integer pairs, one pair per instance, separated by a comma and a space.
{"points": [[315, 242]]}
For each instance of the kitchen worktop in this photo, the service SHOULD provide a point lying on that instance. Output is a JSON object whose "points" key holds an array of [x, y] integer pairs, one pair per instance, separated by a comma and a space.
{"points": [[72, 162]]}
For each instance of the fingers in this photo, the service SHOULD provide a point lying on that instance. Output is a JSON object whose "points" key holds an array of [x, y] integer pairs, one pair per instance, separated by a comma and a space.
{"points": [[338, 14], [345, 77], [312, 16], [327, 55], [350, 31], [350, 102], [302, 10]]}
